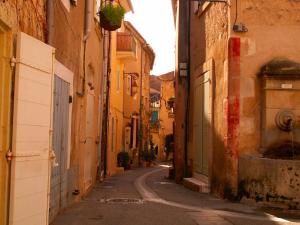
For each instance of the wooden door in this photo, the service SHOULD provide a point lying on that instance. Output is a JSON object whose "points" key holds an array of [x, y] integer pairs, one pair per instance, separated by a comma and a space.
{"points": [[32, 126], [5, 112], [202, 121], [58, 192]]}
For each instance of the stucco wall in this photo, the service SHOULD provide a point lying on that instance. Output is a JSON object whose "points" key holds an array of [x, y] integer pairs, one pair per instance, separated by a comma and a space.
{"points": [[132, 103], [272, 32], [238, 58], [68, 40], [166, 122], [146, 100], [209, 40], [167, 91], [30, 19], [116, 109]]}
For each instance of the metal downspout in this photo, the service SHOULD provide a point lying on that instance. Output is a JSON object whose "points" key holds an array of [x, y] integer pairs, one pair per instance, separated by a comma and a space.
{"points": [[186, 168], [87, 32], [88, 19], [106, 110]]}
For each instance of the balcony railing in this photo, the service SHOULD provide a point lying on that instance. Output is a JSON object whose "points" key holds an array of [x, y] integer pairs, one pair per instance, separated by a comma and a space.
{"points": [[126, 45]]}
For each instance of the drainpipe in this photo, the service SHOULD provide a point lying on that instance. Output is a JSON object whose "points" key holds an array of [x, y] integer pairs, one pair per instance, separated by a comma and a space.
{"points": [[87, 32], [50, 21], [88, 19], [105, 120], [188, 94]]}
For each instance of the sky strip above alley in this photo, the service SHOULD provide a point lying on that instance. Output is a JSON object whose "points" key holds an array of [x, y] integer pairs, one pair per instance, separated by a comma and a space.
{"points": [[154, 20]]}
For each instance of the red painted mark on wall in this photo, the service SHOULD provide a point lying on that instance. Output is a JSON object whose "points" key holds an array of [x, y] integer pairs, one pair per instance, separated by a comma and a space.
{"points": [[233, 101]]}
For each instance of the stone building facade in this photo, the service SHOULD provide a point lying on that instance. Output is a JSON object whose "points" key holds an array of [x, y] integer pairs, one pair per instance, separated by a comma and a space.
{"points": [[162, 119], [228, 47], [132, 60], [52, 68], [15, 17], [136, 94]]}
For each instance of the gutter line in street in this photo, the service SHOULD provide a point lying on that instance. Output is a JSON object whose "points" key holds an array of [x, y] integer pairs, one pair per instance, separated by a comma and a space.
{"points": [[149, 195]]}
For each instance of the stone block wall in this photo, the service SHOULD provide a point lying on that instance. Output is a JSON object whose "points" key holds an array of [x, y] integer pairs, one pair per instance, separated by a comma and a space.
{"points": [[270, 182], [26, 16]]}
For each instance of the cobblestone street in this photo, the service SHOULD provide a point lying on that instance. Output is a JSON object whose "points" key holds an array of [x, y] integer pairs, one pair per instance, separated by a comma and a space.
{"points": [[145, 196]]}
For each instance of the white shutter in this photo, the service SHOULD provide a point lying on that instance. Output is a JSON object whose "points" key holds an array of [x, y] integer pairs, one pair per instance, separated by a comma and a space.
{"points": [[31, 132]]}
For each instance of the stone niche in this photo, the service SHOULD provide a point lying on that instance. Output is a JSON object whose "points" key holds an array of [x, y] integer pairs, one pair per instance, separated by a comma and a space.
{"points": [[280, 112], [274, 177]]}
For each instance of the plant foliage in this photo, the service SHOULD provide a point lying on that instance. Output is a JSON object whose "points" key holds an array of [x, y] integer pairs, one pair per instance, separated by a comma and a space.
{"points": [[111, 16], [169, 143], [148, 155], [123, 159]]}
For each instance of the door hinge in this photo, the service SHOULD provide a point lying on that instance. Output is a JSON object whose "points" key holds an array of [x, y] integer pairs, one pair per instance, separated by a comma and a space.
{"points": [[13, 62], [9, 156]]}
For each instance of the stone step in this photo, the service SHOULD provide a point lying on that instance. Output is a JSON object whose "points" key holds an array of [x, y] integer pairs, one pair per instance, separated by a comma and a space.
{"points": [[196, 185], [120, 170]]}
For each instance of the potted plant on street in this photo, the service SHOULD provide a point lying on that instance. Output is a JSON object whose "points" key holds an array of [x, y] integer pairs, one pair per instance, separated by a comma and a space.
{"points": [[123, 160], [148, 156], [111, 16], [169, 145]]}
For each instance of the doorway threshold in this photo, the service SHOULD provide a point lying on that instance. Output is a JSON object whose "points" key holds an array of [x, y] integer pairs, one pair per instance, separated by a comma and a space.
{"points": [[196, 184]]}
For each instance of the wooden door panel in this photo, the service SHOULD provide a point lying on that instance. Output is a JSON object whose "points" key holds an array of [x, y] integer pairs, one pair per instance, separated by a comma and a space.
{"points": [[5, 112], [31, 134], [202, 120], [58, 193]]}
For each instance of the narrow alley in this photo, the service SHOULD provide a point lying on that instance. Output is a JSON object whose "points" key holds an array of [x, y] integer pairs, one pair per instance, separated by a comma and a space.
{"points": [[146, 196], [149, 112]]}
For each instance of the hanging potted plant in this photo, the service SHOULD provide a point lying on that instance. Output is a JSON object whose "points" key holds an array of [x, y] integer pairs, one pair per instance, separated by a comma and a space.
{"points": [[111, 16]]}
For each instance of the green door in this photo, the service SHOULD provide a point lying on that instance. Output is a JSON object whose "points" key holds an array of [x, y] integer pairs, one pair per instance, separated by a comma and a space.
{"points": [[202, 123], [5, 111]]}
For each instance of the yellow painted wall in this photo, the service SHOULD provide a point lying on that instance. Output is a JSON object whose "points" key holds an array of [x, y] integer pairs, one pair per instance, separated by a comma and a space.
{"points": [[132, 104], [88, 89], [166, 123], [146, 99], [115, 109]]}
